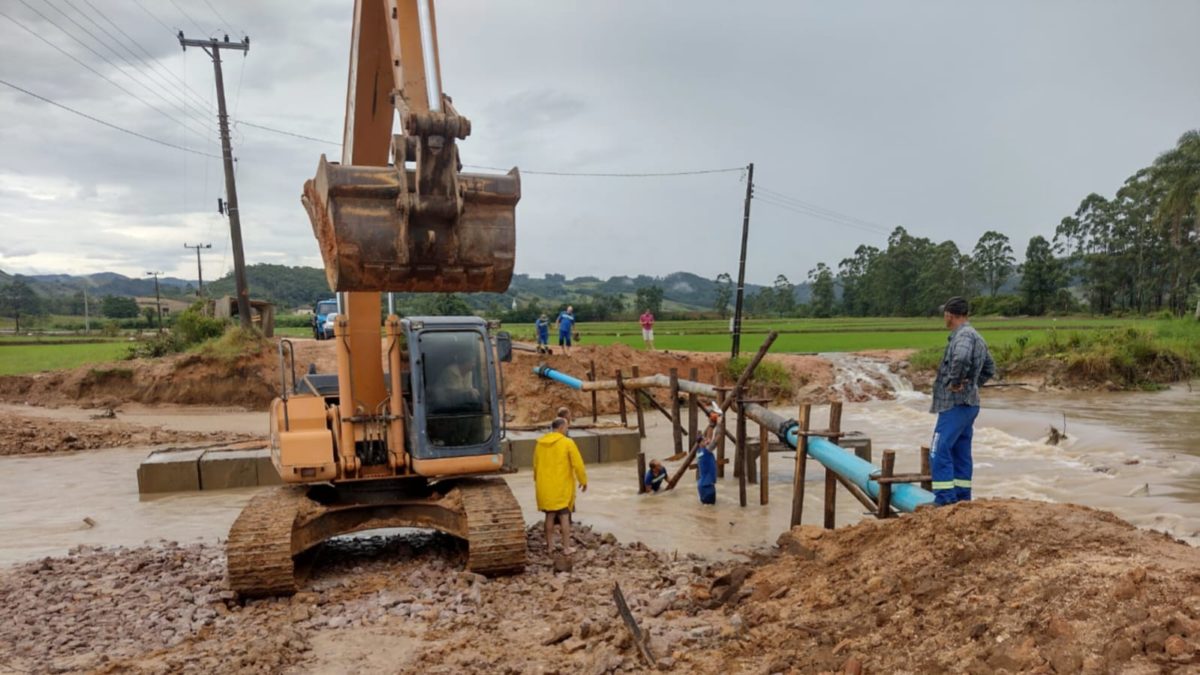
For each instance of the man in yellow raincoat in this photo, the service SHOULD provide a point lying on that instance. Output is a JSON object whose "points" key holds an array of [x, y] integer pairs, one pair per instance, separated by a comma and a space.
{"points": [[556, 467]]}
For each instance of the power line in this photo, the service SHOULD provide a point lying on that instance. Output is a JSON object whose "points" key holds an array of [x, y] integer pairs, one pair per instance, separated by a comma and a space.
{"points": [[110, 125], [170, 30], [189, 18], [204, 104], [85, 65], [183, 103], [818, 214], [222, 19], [586, 174], [796, 202]]}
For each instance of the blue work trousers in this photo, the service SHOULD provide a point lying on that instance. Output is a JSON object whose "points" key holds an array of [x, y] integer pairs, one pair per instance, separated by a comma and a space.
{"points": [[950, 454]]}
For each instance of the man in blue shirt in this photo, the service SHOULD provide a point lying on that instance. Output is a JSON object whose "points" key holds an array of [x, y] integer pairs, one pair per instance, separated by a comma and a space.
{"points": [[706, 469], [966, 365], [656, 476], [543, 334], [566, 325]]}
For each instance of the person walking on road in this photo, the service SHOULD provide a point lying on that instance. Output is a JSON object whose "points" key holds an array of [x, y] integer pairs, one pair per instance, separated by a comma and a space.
{"points": [[543, 334], [647, 321], [966, 365], [566, 326], [557, 465]]}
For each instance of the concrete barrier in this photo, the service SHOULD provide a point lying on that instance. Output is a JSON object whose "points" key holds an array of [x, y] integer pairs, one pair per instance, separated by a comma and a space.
{"points": [[589, 445], [170, 471], [618, 445], [223, 469]]}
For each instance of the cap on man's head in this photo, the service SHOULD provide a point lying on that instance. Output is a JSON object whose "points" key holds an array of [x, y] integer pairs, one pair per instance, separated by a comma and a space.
{"points": [[957, 306]]}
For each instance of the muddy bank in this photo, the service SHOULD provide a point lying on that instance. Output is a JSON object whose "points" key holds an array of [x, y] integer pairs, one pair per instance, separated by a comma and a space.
{"points": [[35, 435], [990, 586], [252, 380]]}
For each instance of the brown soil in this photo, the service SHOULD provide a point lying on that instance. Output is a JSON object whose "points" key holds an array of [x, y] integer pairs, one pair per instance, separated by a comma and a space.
{"points": [[252, 381], [38, 435], [994, 586]]}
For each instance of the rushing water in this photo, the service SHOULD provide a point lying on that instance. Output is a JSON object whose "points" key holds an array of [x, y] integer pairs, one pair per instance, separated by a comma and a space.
{"points": [[1135, 454]]}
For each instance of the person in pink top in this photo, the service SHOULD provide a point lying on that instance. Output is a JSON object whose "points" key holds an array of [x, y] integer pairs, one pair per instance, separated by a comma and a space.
{"points": [[647, 320]]}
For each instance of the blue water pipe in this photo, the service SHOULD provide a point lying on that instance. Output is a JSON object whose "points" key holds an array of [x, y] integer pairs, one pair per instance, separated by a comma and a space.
{"points": [[905, 497]]}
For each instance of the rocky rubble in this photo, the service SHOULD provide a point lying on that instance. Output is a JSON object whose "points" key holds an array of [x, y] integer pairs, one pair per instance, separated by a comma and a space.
{"points": [[995, 586]]}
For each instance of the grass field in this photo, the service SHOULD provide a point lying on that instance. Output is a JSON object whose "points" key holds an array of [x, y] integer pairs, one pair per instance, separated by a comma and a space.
{"points": [[18, 359]]}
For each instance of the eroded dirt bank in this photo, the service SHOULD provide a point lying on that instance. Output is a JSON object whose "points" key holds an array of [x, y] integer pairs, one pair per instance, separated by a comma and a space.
{"points": [[993, 586], [35, 435]]}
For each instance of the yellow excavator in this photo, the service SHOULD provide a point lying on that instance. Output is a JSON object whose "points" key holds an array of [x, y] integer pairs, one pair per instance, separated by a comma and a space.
{"points": [[408, 433]]}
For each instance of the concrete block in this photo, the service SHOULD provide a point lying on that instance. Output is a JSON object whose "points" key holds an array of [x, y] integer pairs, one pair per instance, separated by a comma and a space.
{"points": [[170, 471], [618, 445], [858, 443], [520, 447], [589, 445], [267, 475], [221, 469]]}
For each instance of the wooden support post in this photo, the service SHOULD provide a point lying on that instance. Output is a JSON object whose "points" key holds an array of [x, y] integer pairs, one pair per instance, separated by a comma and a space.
{"points": [[693, 409], [592, 378], [862, 497], [830, 499], [764, 442], [801, 466], [621, 398], [885, 489], [835, 427], [926, 469], [751, 470], [721, 437], [740, 453], [641, 469], [637, 407], [676, 422]]}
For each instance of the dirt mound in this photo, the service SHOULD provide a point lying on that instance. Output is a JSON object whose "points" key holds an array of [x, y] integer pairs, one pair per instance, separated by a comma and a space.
{"points": [[252, 380], [983, 587], [38, 435], [534, 399]]}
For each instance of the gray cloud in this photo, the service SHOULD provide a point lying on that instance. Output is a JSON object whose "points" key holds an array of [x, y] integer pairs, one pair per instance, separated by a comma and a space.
{"points": [[945, 117]]}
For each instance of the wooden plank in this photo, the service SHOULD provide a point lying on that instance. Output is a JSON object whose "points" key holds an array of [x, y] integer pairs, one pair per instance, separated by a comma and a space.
{"points": [[764, 441], [885, 485], [592, 377], [835, 418], [676, 420], [693, 409], [862, 497], [640, 640], [740, 450], [641, 469], [904, 478], [801, 467], [926, 469], [638, 395], [830, 499], [621, 398], [721, 437]]}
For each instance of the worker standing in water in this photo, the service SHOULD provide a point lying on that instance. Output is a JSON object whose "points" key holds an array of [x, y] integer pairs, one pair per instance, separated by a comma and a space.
{"points": [[556, 466], [706, 468], [966, 365]]}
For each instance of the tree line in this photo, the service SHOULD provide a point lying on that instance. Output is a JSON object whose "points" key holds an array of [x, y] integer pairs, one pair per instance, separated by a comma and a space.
{"points": [[1137, 252]]}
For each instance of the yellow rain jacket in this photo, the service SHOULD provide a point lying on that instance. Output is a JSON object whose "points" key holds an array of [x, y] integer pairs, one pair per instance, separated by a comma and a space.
{"points": [[556, 467]]}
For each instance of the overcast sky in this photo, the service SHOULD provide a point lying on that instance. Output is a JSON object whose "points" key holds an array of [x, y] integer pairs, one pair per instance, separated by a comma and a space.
{"points": [[949, 118]]}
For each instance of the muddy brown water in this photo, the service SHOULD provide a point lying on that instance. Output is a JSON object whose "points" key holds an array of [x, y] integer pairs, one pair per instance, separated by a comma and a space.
{"points": [[1135, 454]]}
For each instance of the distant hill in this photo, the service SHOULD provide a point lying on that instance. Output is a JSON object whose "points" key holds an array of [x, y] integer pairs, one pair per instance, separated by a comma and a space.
{"points": [[295, 286]]}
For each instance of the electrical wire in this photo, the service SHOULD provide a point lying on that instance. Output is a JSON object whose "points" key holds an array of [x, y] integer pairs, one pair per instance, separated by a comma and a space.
{"points": [[285, 133], [160, 22], [107, 124], [184, 105], [189, 18], [90, 68], [225, 22], [801, 204], [818, 214]]}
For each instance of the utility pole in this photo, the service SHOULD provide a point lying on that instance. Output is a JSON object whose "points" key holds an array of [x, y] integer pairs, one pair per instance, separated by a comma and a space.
{"points": [[741, 287], [199, 271], [213, 48], [157, 297], [87, 318]]}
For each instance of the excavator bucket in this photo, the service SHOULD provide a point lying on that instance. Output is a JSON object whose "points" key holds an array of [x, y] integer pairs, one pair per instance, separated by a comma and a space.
{"points": [[377, 234]]}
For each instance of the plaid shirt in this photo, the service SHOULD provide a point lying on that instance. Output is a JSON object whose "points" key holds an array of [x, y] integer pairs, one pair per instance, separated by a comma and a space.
{"points": [[966, 362]]}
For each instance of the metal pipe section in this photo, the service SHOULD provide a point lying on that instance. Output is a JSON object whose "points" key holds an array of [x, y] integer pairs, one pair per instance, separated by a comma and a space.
{"points": [[905, 497]]}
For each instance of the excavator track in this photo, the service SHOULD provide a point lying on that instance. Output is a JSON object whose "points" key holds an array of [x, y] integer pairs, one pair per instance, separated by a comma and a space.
{"points": [[495, 527], [258, 554]]}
